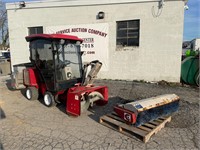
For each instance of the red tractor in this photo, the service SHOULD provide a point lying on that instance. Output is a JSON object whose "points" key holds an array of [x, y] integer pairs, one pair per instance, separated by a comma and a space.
{"points": [[57, 73]]}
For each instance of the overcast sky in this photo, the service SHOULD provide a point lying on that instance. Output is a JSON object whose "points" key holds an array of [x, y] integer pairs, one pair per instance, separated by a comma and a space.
{"points": [[191, 21]]}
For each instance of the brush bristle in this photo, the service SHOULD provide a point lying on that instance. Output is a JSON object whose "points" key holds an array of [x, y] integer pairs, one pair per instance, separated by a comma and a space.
{"points": [[155, 113]]}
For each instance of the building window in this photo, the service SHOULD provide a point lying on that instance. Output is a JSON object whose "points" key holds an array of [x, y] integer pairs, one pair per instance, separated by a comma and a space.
{"points": [[128, 33], [35, 30]]}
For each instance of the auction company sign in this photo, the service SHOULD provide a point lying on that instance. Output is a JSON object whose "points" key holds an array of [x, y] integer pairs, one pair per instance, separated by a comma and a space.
{"points": [[95, 40]]}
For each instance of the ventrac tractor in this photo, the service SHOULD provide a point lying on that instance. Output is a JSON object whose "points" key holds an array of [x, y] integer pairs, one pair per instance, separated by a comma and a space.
{"points": [[58, 74]]}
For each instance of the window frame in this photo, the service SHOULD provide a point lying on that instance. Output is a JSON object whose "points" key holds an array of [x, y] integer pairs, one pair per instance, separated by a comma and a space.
{"points": [[127, 30], [36, 28]]}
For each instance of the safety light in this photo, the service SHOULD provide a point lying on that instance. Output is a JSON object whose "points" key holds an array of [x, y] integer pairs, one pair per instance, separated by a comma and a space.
{"points": [[101, 15]]}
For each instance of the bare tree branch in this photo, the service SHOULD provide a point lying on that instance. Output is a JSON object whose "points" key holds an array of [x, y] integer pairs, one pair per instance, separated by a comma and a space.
{"points": [[4, 35]]}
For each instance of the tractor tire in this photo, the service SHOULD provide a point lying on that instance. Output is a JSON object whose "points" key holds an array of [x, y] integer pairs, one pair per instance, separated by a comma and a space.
{"points": [[49, 99], [32, 93]]}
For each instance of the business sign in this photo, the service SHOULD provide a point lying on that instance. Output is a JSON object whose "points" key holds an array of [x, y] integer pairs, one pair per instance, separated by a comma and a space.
{"points": [[95, 40]]}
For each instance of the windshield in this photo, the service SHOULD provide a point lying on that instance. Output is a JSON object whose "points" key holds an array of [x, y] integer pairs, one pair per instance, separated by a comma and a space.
{"points": [[68, 61]]}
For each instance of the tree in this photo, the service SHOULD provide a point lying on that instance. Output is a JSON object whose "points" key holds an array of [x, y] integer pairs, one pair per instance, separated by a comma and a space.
{"points": [[4, 35]]}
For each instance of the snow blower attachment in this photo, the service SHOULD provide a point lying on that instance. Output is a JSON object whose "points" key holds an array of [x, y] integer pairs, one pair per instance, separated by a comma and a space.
{"points": [[95, 68], [142, 111]]}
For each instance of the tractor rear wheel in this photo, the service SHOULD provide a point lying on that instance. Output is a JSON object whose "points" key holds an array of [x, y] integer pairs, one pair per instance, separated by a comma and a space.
{"points": [[32, 93], [49, 100]]}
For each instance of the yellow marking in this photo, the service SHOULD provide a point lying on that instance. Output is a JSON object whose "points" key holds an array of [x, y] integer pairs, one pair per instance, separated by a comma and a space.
{"points": [[1, 102], [19, 122]]}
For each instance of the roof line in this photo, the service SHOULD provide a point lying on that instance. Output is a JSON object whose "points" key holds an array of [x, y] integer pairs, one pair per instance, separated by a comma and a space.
{"points": [[74, 3]]}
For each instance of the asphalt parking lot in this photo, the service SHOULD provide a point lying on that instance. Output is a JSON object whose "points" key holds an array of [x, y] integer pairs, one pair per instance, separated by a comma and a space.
{"points": [[30, 125]]}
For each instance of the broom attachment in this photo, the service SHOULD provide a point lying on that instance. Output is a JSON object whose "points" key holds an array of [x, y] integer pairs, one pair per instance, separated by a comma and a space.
{"points": [[142, 111]]}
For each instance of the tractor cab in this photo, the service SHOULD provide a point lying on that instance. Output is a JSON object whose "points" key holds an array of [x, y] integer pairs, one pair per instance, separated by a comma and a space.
{"points": [[57, 58], [58, 74]]}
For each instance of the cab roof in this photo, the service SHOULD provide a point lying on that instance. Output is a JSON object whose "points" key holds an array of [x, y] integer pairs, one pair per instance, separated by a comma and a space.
{"points": [[52, 36]]}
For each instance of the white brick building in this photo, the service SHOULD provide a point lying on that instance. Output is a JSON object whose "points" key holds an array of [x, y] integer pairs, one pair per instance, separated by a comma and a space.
{"points": [[142, 38]]}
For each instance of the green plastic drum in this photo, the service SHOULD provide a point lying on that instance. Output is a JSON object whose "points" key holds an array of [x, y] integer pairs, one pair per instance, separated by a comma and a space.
{"points": [[190, 70]]}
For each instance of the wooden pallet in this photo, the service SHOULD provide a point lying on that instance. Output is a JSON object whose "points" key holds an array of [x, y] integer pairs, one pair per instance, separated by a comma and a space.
{"points": [[144, 132]]}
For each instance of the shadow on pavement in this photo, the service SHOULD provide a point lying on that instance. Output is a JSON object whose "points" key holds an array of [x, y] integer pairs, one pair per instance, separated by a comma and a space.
{"points": [[98, 111], [9, 85], [60, 106], [1, 146], [2, 115]]}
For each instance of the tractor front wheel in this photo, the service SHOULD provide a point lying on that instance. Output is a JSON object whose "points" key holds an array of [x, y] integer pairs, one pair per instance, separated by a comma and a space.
{"points": [[32, 93], [49, 100]]}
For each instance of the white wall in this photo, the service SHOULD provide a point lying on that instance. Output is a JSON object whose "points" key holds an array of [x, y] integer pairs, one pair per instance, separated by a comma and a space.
{"points": [[157, 58], [196, 44]]}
